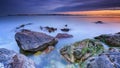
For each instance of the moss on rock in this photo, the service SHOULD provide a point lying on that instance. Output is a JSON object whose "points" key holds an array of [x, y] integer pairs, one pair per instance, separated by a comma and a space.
{"points": [[80, 51]]}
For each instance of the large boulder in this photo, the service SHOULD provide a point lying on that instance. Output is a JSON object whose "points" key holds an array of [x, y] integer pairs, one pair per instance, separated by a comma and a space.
{"points": [[63, 35], [110, 39], [34, 41], [81, 51], [11, 59], [110, 59]]}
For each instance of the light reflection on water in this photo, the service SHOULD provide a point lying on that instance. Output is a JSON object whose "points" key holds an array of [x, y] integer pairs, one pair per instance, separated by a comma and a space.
{"points": [[81, 28]]}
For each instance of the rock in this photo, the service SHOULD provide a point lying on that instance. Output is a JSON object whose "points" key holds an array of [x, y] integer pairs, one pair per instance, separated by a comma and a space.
{"points": [[23, 25], [110, 59], [63, 35], [65, 29], [99, 22], [110, 40], [81, 51], [34, 41], [66, 25], [49, 29], [11, 59]]}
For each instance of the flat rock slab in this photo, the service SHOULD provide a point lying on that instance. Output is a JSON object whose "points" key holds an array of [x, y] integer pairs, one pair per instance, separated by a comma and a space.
{"points": [[63, 35], [11, 59], [34, 41]]}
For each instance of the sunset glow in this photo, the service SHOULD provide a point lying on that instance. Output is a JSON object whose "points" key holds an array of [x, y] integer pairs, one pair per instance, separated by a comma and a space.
{"points": [[99, 12]]}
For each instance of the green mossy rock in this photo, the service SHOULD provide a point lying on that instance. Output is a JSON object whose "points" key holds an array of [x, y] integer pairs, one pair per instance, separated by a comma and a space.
{"points": [[79, 52]]}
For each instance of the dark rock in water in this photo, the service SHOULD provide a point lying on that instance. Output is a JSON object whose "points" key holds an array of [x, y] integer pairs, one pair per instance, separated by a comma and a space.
{"points": [[109, 59], [10, 59], [66, 25], [63, 35], [109, 39], [34, 41], [79, 52], [23, 25], [99, 22], [49, 29], [65, 29]]}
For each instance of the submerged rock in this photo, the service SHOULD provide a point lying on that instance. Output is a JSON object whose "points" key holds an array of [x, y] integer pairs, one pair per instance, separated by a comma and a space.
{"points": [[110, 59], [10, 59], [23, 25], [81, 51], [109, 39], [63, 35], [34, 41]]}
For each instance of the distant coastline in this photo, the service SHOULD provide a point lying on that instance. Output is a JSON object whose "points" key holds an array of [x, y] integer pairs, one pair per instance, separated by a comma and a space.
{"points": [[44, 15], [81, 15]]}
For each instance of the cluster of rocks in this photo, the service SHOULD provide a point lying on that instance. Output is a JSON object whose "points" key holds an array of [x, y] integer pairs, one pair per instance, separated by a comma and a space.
{"points": [[52, 29], [90, 53], [31, 41], [28, 41], [11, 59]]}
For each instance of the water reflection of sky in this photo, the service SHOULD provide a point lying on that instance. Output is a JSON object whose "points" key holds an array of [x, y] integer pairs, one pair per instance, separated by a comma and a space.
{"points": [[81, 28]]}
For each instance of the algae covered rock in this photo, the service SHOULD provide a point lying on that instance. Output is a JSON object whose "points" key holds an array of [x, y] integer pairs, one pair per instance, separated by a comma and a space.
{"points": [[79, 52], [109, 39], [109, 59]]}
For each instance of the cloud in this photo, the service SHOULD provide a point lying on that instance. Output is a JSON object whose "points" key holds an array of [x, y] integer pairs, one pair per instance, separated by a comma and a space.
{"points": [[91, 5], [51, 6], [28, 6]]}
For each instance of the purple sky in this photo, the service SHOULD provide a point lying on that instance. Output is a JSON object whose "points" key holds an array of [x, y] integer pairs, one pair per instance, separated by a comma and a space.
{"points": [[53, 6]]}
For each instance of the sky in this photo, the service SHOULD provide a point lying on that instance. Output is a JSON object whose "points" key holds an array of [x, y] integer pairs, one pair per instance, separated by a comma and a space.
{"points": [[56, 6]]}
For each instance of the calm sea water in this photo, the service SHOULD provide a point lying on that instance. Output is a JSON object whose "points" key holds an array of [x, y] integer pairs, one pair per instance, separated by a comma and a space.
{"points": [[81, 28]]}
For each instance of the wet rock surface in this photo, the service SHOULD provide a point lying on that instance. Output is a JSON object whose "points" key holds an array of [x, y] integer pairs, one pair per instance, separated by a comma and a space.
{"points": [[63, 35], [109, 59], [81, 51], [34, 41], [110, 39], [10, 59]]}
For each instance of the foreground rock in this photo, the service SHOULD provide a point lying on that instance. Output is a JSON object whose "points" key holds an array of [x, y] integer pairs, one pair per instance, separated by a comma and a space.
{"points": [[109, 39], [34, 41], [110, 59], [10, 59], [81, 51], [63, 35]]}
